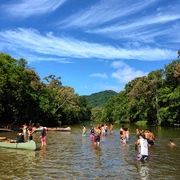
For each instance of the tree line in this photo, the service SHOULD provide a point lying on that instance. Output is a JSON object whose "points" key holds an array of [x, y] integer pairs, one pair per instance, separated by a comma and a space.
{"points": [[154, 98], [24, 97]]}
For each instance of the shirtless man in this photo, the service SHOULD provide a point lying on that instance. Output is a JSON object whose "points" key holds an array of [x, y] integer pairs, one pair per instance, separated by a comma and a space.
{"points": [[171, 143], [111, 128], [150, 138], [97, 135]]}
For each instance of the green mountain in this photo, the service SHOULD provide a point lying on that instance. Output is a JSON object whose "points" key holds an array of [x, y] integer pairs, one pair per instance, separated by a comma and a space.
{"points": [[99, 99]]}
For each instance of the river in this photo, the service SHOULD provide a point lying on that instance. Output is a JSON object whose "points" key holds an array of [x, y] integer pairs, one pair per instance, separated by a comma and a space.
{"points": [[70, 156]]}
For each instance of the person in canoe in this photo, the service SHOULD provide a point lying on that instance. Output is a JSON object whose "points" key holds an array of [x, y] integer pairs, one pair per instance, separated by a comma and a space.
{"points": [[30, 133], [20, 136]]}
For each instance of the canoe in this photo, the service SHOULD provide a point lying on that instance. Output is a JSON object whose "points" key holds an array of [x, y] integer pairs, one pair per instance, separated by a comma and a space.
{"points": [[5, 130], [67, 129], [31, 145]]}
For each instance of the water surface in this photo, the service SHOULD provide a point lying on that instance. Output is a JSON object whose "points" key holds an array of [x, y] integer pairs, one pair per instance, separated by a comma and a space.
{"points": [[71, 156]]}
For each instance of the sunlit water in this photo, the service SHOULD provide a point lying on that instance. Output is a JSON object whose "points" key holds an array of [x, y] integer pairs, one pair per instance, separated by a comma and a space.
{"points": [[71, 156]]}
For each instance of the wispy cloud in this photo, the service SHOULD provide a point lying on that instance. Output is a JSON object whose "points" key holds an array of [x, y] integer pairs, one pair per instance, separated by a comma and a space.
{"points": [[142, 22], [105, 11], [104, 75], [31, 41], [26, 8], [125, 73]]}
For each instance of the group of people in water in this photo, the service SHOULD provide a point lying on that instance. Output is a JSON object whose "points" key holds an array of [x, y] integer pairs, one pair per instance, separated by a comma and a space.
{"points": [[26, 133], [96, 132], [144, 138]]}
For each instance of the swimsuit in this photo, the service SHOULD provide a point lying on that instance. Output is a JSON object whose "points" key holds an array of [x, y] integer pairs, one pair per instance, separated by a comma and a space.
{"points": [[151, 142], [103, 131], [43, 139], [97, 138], [84, 133]]}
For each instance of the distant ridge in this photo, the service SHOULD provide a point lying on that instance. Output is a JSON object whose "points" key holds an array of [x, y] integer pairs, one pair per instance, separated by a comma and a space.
{"points": [[99, 99]]}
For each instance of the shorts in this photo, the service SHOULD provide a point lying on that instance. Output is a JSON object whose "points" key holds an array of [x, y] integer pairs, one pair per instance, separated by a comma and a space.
{"points": [[103, 132], [92, 136], [151, 142], [43, 139], [96, 139]]}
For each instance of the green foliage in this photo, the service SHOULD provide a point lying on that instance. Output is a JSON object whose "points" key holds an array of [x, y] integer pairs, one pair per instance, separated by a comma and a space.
{"points": [[154, 98], [99, 99], [24, 97]]}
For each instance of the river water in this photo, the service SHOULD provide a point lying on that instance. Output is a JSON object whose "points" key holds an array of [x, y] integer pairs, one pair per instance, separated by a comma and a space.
{"points": [[70, 156]]}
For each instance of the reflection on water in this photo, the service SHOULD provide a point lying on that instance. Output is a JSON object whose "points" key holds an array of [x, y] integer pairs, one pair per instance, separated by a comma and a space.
{"points": [[71, 156], [143, 170]]}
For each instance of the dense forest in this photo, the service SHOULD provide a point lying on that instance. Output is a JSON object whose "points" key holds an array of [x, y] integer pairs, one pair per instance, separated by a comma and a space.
{"points": [[154, 98], [99, 99], [24, 97]]}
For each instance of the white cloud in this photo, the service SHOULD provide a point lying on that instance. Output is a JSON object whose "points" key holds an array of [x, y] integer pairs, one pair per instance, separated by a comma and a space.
{"points": [[105, 11], [104, 75], [25, 8], [125, 73], [31, 41]]}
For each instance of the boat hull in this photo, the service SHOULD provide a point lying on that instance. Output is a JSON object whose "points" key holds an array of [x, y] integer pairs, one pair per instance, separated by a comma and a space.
{"points": [[31, 145], [68, 129]]}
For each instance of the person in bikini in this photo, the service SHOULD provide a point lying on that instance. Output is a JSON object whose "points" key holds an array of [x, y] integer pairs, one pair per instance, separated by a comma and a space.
{"points": [[43, 137], [92, 132]]}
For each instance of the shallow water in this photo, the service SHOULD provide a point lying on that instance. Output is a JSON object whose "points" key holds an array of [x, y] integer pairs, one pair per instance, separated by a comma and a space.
{"points": [[70, 156]]}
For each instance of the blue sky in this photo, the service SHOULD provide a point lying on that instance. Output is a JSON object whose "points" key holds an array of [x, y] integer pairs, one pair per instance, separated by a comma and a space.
{"points": [[93, 45]]}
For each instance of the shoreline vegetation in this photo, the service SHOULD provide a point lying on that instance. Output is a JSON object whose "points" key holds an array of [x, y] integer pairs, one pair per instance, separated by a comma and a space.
{"points": [[24, 96]]}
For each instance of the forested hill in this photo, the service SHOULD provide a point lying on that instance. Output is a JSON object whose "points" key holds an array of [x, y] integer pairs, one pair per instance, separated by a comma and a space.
{"points": [[99, 99]]}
